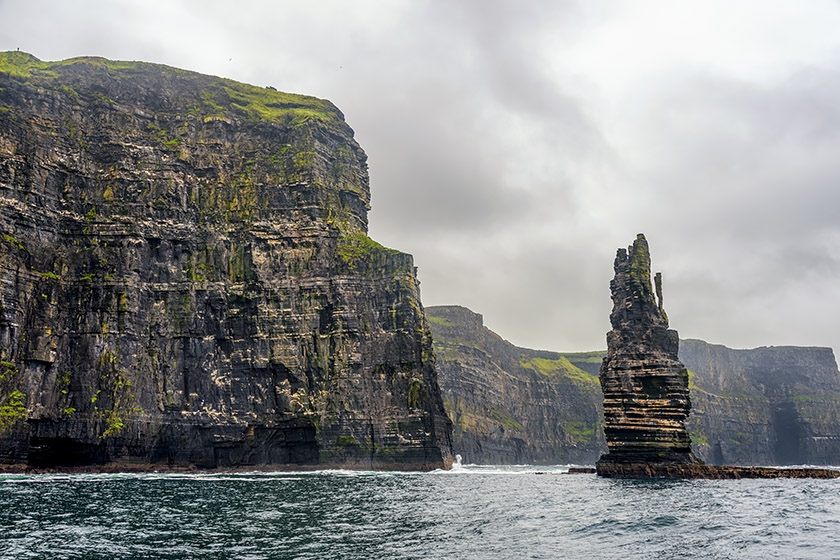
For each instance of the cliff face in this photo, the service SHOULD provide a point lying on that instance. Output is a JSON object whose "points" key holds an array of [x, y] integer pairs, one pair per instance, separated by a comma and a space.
{"points": [[185, 278], [765, 406], [511, 405], [646, 395]]}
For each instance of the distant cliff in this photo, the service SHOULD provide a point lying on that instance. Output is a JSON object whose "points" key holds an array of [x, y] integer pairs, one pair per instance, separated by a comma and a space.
{"points": [[766, 406], [511, 405], [186, 279]]}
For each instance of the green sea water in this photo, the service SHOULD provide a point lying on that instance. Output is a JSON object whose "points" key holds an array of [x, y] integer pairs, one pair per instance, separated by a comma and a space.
{"points": [[469, 513]]}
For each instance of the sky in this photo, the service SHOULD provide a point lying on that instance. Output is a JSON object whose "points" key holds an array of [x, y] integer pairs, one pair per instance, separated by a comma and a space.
{"points": [[515, 145]]}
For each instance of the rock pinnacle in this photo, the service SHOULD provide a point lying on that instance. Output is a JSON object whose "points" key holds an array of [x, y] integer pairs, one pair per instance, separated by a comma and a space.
{"points": [[646, 397]]}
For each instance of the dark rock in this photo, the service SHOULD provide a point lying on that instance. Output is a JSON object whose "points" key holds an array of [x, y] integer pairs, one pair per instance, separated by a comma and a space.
{"points": [[646, 396], [581, 470], [551, 412], [186, 279], [701, 471], [646, 389], [763, 406], [512, 405]]}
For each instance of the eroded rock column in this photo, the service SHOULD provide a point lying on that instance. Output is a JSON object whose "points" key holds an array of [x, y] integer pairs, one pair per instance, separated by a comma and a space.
{"points": [[646, 398]]}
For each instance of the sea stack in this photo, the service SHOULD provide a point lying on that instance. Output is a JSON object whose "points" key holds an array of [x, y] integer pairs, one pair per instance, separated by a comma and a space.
{"points": [[646, 397]]}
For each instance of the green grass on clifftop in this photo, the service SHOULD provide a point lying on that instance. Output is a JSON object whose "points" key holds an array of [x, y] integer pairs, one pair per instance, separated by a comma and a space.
{"points": [[560, 367], [210, 96], [441, 321], [358, 247]]}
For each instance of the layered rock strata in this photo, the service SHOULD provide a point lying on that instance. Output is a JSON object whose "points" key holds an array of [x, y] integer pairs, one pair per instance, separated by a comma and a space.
{"points": [[645, 386], [512, 405], [186, 280], [764, 406]]}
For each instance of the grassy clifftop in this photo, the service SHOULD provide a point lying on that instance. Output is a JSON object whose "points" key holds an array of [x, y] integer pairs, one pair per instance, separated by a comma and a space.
{"points": [[186, 278], [190, 92], [253, 153]]}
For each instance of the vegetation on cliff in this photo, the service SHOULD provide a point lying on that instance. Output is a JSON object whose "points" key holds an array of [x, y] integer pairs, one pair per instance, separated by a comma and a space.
{"points": [[645, 386], [209, 97], [764, 406], [749, 407], [513, 405], [187, 278]]}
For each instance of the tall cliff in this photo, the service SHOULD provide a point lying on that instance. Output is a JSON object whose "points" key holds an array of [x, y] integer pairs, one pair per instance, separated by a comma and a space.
{"points": [[186, 279], [511, 405], [764, 406], [645, 386]]}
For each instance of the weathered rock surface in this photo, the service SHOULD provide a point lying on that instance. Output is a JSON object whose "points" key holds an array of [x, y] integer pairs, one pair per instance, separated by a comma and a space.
{"points": [[710, 472], [739, 400], [764, 406], [646, 396], [646, 388], [512, 405], [186, 279]]}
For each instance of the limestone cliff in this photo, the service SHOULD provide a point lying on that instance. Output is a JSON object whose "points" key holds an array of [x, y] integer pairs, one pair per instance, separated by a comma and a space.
{"points": [[764, 406], [646, 395], [186, 279], [511, 405]]}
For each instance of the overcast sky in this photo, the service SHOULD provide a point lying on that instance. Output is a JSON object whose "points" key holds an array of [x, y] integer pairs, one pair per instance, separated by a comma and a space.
{"points": [[513, 146]]}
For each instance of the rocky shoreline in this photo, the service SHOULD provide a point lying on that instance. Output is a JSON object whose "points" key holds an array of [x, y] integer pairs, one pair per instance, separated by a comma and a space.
{"points": [[709, 472]]}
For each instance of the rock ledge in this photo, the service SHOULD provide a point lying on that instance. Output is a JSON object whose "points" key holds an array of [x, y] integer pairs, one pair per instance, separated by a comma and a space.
{"points": [[712, 472]]}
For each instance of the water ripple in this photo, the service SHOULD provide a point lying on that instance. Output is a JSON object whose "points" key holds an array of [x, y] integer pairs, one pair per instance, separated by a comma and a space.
{"points": [[475, 513]]}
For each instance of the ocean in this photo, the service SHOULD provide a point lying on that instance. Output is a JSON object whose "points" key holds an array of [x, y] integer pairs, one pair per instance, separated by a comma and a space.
{"points": [[471, 512]]}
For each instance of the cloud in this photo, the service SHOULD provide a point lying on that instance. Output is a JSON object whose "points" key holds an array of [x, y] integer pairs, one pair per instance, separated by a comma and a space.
{"points": [[514, 146], [743, 177]]}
